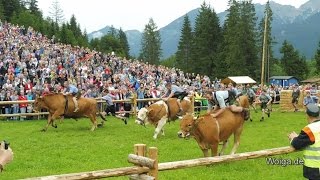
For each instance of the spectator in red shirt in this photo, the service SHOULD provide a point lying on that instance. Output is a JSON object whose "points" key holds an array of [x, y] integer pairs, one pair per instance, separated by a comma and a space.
{"points": [[28, 86], [22, 106]]}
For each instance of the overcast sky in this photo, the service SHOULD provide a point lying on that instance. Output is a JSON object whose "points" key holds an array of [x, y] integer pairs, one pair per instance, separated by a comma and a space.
{"points": [[135, 14]]}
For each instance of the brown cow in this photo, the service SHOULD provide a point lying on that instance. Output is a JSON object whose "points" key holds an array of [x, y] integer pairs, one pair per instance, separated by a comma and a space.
{"points": [[57, 106], [209, 131], [159, 113]]}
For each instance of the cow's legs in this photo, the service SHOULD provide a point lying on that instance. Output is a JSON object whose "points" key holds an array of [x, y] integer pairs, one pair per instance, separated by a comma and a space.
{"points": [[236, 139], [162, 131], [225, 144], [94, 122], [205, 152], [160, 125], [48, 123], [214, 149]]}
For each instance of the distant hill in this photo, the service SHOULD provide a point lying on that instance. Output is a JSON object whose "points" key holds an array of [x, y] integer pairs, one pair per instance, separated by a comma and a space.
{"points": [[300, 26]]}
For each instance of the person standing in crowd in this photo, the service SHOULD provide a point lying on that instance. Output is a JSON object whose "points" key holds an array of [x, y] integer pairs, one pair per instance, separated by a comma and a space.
{"points": [[265, 101], [8, 107], [29, 106], [295, 97], [15, 107], [22, 106], [309, 99], [73, 90], [309, 141], [140, 95]]}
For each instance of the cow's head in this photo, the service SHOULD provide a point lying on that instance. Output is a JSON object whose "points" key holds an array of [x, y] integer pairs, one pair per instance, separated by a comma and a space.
{"points": [[142, 117], [187, 124], [38, 103]]}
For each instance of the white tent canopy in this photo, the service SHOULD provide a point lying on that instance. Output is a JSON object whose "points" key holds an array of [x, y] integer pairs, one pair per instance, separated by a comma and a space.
{"points": [[238, 80]]}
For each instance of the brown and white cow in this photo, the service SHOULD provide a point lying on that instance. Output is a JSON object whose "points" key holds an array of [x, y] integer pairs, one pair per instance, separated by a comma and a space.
{"points": [[209, 131], [58, 106], [160, 112]]}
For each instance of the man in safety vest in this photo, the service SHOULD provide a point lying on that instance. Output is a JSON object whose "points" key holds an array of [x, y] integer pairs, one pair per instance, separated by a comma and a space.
{"points": [[309, 140]]}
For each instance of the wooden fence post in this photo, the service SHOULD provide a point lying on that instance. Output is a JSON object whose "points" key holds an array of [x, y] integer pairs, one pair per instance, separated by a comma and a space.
{"points": [[140, 149], [153, 154], [192, 102], [134, 102]]}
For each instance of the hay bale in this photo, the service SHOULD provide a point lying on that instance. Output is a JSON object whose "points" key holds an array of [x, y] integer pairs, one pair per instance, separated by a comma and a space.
{"points": [[286, 100]]}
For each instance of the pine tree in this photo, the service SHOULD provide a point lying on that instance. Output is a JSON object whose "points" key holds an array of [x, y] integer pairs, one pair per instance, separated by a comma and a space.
{"points": [[113, 31], [33, 7], [292, 63], [124, 43], [151, 43], [317, 59], [248, 39], [183, 54], [232, 61], [56, 13], [74, 26], [207, 37]]}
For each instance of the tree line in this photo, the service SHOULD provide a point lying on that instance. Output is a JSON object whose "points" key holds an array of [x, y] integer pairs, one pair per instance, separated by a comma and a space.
{"points": [[235, 47]]}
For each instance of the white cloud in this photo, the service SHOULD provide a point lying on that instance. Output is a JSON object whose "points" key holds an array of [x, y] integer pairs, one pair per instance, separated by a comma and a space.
{"points": [[128, 14]]}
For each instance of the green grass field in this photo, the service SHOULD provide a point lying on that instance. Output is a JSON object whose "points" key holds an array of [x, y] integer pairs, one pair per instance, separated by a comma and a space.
{"points": [[73, 148]]}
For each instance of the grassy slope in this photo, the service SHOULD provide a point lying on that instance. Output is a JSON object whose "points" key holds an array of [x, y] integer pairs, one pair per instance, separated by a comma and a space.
{"points": [[73, 148]]}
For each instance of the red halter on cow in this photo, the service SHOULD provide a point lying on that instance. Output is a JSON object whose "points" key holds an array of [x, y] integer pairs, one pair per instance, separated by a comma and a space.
{"points": [[159, 113], [59, 105], [209, 131]]}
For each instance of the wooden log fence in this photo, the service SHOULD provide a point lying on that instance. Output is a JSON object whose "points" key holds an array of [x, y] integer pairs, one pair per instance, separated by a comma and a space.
{"points": [[148, 167], [134, 101]]}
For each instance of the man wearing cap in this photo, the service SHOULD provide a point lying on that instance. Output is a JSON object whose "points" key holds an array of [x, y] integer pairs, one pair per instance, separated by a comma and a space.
{"points": [[175, 91], [309, 99], [73, 90], [309, 141]]}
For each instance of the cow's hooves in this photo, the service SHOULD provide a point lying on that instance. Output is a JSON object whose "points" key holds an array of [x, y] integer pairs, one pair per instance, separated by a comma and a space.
{"points": [[125, 121], [43, 130], [55, 126], [100, 125]]}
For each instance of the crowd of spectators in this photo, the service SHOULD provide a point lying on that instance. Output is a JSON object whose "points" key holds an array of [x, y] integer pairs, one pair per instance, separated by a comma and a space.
{"points": [[31, 63]]}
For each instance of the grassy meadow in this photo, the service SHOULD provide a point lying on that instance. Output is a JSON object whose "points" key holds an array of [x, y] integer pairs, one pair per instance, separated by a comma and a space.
{"points": [[73, 148]]}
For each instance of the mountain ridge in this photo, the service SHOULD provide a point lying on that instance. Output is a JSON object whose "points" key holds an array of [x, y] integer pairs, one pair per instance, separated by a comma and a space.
{"points": [[297, 25]]}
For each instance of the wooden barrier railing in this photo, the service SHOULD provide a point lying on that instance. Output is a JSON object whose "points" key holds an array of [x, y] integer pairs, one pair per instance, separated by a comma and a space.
{"points": [[134, 101], [148, 167]]}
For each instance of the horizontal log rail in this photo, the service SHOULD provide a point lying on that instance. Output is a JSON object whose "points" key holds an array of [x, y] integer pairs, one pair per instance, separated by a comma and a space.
{"points": [[124, 171], [171, 165], [141, 160], [225, 158]]}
